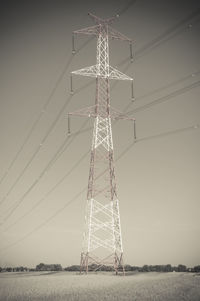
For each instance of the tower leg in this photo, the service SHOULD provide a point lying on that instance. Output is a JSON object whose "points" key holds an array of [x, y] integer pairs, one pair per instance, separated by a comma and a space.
{"points": [[119, 263], [84, 263]]}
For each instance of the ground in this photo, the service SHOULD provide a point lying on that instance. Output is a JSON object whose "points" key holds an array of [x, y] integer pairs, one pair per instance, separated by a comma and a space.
{"points": [[42, 286]]}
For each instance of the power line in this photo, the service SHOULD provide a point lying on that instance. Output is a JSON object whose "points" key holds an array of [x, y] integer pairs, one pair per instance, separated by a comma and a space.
{"points": [[160, 89], [36, 152], [37, 149], [50, 191], [17, 203], [154, 102], [176, 33], [60, 77], [129, 4], [38, 118], [164, 37], [41, 115], [50, 129], [169, 31], [50, 164], [158, 40], [166, 97], [84, 189], [189, 128], [40, 145], [56, 156], [61, 150], [154, 137], [157, 101], [43, 111], [84, 87], [149, 45]]}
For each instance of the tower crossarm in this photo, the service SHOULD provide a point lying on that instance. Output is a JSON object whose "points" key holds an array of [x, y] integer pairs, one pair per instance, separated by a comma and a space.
{"points": [[94, 71], [92, 112], [91, 30], [116, 74], [94, 30], [90, 71], [116, 35]]}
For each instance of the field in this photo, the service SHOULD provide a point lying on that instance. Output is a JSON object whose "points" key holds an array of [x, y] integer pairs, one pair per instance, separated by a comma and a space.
{"points": [[94, 287]]}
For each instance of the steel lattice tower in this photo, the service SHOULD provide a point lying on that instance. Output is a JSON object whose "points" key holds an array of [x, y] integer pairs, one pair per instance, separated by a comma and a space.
{"points": [[102, 243]]}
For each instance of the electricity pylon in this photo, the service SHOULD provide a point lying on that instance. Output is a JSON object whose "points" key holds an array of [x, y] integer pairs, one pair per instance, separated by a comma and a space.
{"points": [[102, 242]]}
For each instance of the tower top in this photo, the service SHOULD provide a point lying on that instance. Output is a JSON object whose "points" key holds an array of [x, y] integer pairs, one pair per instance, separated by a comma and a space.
{"points": [[101, 21], [96, 30]]}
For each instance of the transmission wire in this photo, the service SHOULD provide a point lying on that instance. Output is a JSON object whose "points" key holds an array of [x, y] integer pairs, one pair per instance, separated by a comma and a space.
{"points": [[138, 53], [122, 11], [142, 139], [56, 156], [165, 98], [187, 19], [85, 188], [164, 37], [157, 101], [127, 66], [41, 114], [169, 85]]}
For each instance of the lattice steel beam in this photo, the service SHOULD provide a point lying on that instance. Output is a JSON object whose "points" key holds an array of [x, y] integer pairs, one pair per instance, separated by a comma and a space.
{"points": [[102, 218]]}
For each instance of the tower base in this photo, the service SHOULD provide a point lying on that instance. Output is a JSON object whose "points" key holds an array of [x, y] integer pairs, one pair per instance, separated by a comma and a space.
{"points": [[91, 263]]}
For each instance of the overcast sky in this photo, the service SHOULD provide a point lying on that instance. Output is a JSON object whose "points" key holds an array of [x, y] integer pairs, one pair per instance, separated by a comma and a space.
{"points": [[157, 177]]}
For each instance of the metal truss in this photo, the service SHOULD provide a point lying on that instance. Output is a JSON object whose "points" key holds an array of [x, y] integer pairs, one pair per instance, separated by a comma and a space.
{"points": [[110, 224], [92, 111], [102, 218], [94, 71]]}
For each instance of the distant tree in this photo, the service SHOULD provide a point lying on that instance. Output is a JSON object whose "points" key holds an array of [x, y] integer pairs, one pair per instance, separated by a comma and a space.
{"points": [[107, 268], [9, 269], [40, 267], [167, 268], [158, 268], [150, 268], [181, 268], [1, 269], [135, 268], [145, 268], [72, 268], [92, 267], [48, 267], [128, 267], [196, 269], [58, 267]]}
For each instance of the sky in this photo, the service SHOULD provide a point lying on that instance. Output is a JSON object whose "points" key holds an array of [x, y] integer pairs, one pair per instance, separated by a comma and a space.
{"points": [[157, 177]]}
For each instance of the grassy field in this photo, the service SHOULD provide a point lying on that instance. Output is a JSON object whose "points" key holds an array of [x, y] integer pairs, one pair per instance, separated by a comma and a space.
{"points": [[73, 287]]}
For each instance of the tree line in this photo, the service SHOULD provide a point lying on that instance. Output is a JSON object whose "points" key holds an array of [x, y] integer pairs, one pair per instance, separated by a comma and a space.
{"points": [[128, 268], [144, 268]]}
